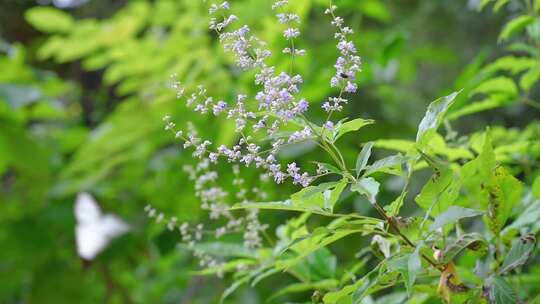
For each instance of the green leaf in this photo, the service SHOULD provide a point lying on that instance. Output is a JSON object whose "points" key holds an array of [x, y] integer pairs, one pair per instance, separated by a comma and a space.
{"points": [[490, 102], [499, 4], [367, 186], [500, 292], [395, 206], [363, 157], [503, 192], [510, 63], [331, 168], [453, 214], [434, 115], [530, 78], [313, 242], [515, 26], [479, 170], [528, 217], [439, 192], [483, 4], [522, 249], [327, 284], [414, 267], [501, 85], [536, 187], [49, 20], [317, 199], [324, 199], [335, 297], [390, 165], [350, 126], [491, 186], [471, 241], [233, 287]]}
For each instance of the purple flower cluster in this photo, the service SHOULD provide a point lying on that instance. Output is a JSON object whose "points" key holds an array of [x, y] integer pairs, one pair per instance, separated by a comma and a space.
{"points": [[276, 105], [277, 101], [347, 65]]}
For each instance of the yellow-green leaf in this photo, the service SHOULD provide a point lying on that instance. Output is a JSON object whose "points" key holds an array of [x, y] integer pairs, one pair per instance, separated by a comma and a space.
{"points": [[515, 26], [49, 20]]}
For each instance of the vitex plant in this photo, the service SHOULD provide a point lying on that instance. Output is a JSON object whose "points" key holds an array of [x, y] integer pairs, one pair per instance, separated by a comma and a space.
{"points": [[468, 240]]}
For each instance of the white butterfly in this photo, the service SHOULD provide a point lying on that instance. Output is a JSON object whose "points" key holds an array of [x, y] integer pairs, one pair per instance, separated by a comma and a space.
{"points": [[94, 230]]}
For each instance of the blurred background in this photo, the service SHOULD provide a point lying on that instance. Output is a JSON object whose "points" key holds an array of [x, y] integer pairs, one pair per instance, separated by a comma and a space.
{"points": [[84, 85]]}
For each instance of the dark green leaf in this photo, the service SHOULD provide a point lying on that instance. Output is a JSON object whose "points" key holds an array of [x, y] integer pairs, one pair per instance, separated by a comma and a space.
{"points": [[500, 292], [522, 249], [453, 214], [434, 115], [367, 186], [363, 157], [440, 192], [414, 267], [390, 165], [471, 241]]}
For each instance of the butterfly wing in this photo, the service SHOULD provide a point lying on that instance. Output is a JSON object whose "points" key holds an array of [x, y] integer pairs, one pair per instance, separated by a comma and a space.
{"points": [[94, 230], [112, 227], [90, 241], [87, 210]]}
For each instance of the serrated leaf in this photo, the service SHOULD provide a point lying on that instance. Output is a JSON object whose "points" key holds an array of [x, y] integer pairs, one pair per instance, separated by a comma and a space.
{"points": [[453, 214], [363, 157], [439, 192], [515, 26], [522, 249], [434, 115], [503, 192], [49, 20], [367, 186], [500, 292], [472, 241]]}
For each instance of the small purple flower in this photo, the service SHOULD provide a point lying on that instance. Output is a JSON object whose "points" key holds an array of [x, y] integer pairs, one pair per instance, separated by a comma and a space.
{"points": [[219, 107], [291, 33], [329, 125]]}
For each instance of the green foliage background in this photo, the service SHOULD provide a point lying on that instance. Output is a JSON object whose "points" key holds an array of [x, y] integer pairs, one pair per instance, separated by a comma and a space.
{"points": [[83, 91]]}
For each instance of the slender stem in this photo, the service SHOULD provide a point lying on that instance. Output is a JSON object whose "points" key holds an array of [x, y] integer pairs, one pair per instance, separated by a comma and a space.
{"points": [[533, 103], [392, 224]]}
